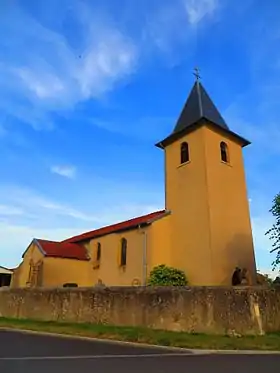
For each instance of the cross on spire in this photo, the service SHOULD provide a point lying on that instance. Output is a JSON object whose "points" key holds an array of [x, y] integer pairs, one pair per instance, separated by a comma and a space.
{"points": [[196, 73]]}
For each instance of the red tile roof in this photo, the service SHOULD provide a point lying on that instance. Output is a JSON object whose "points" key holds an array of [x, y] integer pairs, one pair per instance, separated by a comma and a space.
{"points": [[70, 248], [62, 250], [128, 224]]}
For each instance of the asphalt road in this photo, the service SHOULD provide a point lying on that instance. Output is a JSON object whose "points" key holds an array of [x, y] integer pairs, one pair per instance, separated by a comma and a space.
{"points": [[22, 352]]}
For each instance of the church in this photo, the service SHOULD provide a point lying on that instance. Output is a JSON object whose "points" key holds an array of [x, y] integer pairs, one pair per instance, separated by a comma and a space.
{"points": [[204, 228]]}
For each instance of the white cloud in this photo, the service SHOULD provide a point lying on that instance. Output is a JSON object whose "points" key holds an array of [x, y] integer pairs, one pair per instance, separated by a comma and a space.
{"points": [[65, 171], [172, 26], [105, 62], [44, 85], [197, 9], [16, 237], [10, 210], [153, 127], [107, 57], [26, 214], [31, 204], [268, 271], [260, 225], [58, 70], [51, 73]]}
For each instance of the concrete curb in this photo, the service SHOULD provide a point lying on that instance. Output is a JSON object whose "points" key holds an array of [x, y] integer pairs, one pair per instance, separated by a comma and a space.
{"points": [[143, 345]]}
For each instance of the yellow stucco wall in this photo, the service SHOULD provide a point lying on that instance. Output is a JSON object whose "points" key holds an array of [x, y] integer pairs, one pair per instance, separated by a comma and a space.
{"points": [[21, 275], [157, 252], [55, 271], [231, 232], [159, 243], [186, 197], [210, 222], [207, 234], [15, 280], [109, 271], [59, 271]]}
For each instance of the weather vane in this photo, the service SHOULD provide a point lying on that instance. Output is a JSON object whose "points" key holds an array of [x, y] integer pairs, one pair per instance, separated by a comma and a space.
{"points": [[196, 73]]}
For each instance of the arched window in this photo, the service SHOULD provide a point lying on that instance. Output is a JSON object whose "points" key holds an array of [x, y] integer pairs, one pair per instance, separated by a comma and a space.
{"points": [[98, 252], [224, 151], [184, 152], [123, 252]]}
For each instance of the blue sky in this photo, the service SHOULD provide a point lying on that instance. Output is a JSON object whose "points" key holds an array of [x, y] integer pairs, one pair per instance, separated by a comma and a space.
{"points": [[88, 87]]}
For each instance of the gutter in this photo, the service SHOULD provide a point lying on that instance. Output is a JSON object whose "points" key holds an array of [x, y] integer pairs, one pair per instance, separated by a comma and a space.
{"points": [[144, 257], [144, 250]]}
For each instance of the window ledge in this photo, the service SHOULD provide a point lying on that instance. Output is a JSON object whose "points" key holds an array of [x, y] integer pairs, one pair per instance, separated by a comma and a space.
{"points": [[96, 265], [183, 164], [226, 163]]}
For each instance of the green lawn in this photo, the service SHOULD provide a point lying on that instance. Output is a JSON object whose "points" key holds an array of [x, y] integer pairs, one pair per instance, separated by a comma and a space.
{"points": [[150, 336]]}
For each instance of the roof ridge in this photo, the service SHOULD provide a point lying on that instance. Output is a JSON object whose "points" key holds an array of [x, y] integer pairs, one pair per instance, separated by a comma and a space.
{"points": [[67, 250], [116, 225], [43, 239]]}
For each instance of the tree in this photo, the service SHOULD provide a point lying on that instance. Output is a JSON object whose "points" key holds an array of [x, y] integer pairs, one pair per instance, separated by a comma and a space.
{"points": [[163, 275], [274, 232]]}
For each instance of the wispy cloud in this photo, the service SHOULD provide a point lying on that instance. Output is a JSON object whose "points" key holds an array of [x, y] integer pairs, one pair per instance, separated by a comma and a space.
{"points": [[10, 210], [15, 200], [152, 127], [43, 86], [107, 57], [198, 9], [174, 23], [58, 70], [65, 171], [16, 237], [51, 74], [26, 213]]}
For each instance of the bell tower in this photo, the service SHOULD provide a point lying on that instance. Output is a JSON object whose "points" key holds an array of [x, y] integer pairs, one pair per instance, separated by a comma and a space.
{"points": [[205, 190]]}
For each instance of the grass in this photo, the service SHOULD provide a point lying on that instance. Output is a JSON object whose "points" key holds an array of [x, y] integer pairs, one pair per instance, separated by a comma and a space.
{"points": [[151, 336]]}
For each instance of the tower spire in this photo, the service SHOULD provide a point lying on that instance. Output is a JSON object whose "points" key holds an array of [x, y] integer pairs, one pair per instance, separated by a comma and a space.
{"points": [[198, 109], [196, 73]]}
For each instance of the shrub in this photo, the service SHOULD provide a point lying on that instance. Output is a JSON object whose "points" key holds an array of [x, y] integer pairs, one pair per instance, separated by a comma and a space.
{"points": [[167, 276]]}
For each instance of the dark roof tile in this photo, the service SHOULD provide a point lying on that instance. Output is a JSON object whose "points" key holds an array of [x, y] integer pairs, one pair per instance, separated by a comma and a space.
{"points": [[199, 105], [198, 110]]}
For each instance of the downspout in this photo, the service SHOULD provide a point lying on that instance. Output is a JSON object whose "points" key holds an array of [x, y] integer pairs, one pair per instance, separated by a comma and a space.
{"points": [[144, 257]]}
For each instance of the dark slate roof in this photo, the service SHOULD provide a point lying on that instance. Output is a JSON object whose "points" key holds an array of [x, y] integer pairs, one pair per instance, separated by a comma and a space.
{"points": [[199, 105], [198, 109]]}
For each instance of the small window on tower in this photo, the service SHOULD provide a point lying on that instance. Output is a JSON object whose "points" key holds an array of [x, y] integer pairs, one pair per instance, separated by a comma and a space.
{"points": [[184, 152], [224, 152], [98, 252], [123, 252]]}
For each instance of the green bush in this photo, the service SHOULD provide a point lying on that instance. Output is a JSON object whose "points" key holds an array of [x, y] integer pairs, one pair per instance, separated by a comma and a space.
{"points": [[167, 276]]}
